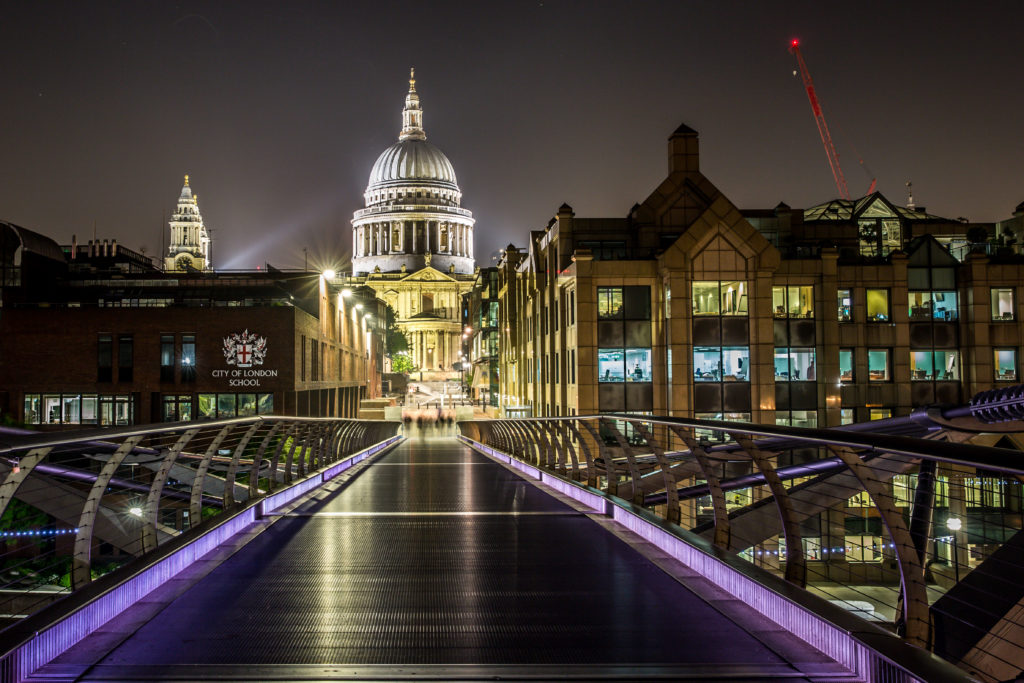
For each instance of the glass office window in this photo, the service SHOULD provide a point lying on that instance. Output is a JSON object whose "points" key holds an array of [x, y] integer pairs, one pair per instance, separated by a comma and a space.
{"points": [[846, 416], [707, 364], [638, 365], [125, 358], [794, 365], [246, 405], [878, 305], [1002, 303], [226, 405], [879, 413], [734, 298], [207, 406], [1006, 365], [921, 365], [188, 357], [166, 357], [71, 409], [845, 305], [611, 365], [609, 302], [105, 358], [796, 418], [90, 410], [705, 298], [779, 302], [266, 404], [793, 301], [944, 305], [878, 365], [947, 365], [845, 365], [735, 363], [920, 305]]}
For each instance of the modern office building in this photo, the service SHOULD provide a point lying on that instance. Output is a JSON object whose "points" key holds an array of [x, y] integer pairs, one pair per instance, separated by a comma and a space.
{"points": [[690, 306], [95, 335]]}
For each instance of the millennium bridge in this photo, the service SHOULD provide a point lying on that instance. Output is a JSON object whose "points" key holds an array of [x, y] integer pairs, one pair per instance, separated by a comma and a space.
{"points": [[606, 547]]}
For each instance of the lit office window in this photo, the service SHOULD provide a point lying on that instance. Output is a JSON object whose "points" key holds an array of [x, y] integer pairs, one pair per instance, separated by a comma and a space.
{"points": [[611, 365], [188, 358], [845, 305], [879, 413], [705, 298], [720, 298], [932, 305], [846, 416], [845, 365], [1006, 365], [721, 364], [878, 305], [794, 365], [878, 365], [609, 302], [793, 301], [934, 365], [1002, 303]]}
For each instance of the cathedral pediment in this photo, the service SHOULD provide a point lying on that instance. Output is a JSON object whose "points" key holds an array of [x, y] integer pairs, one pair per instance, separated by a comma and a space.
{"points": [[428, 274]]}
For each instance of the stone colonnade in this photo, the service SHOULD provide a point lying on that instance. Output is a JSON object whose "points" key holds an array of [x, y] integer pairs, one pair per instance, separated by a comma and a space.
{"points": [[436, 237], [432, 349]]}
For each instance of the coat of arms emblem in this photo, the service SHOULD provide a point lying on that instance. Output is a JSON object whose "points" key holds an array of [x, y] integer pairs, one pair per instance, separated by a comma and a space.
{"points": [[244, 350]]}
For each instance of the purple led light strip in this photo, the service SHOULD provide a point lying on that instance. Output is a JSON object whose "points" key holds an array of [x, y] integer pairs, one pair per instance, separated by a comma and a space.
{"points": [[51, 642]]}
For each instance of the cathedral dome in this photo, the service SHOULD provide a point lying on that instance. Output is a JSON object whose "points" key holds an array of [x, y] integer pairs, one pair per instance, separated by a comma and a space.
{"points": [[411, 159], [413, 217]]}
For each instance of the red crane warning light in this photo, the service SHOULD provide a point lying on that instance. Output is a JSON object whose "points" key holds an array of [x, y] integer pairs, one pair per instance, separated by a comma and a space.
{"points": [[819, 119]]}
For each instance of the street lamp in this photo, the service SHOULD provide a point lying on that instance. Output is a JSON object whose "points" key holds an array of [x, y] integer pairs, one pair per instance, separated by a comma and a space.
{"points": [[954, 524], [329, 274]]}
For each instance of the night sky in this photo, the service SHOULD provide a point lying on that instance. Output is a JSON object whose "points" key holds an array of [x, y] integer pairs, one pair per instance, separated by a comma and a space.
{"points": [[278, 110]]}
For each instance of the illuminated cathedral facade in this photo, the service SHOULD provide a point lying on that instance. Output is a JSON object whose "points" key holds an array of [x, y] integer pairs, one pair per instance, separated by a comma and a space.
{"points": [[413, 241]]}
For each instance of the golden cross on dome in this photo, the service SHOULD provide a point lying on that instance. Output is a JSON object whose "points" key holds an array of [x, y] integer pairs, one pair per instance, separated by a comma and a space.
{"points": [[186, 178], [412, 79]]}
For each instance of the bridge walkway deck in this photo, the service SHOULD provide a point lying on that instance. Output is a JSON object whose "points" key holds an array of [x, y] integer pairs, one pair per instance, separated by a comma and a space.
{"points": [[436, 563]]}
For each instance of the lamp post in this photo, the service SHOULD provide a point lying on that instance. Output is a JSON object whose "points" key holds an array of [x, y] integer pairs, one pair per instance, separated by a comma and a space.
{"points": [[954, 524]]}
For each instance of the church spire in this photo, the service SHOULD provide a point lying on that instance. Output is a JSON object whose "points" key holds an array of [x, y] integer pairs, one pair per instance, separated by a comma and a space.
{"points": [[412, 115]]}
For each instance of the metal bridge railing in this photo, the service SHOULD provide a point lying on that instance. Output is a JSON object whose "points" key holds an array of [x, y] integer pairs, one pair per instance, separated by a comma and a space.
{"points": [[76, 505], [920, 535]]}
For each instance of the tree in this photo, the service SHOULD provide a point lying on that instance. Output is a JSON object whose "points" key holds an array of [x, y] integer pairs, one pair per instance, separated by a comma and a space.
{"points": [[395, 341], [401, 362]]}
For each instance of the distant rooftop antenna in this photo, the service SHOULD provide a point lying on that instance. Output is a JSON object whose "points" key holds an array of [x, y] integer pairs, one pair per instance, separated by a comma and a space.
{"points": [[910, 195]]}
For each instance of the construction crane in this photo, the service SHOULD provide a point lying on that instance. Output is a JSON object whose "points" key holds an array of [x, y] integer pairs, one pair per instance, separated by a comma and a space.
{"points": [[819, 118]]}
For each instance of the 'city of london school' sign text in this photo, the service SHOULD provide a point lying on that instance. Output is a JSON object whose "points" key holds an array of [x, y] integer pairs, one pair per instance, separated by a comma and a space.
{"points": [[243, 351]]}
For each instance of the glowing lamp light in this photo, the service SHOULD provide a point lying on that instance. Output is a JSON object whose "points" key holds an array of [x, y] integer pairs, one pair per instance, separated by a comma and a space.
{"points": [[359, 307], [346, 292], [468, 329], [794, 42], [368, 316], [954, 524], [329, 274], [135, 511]]}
